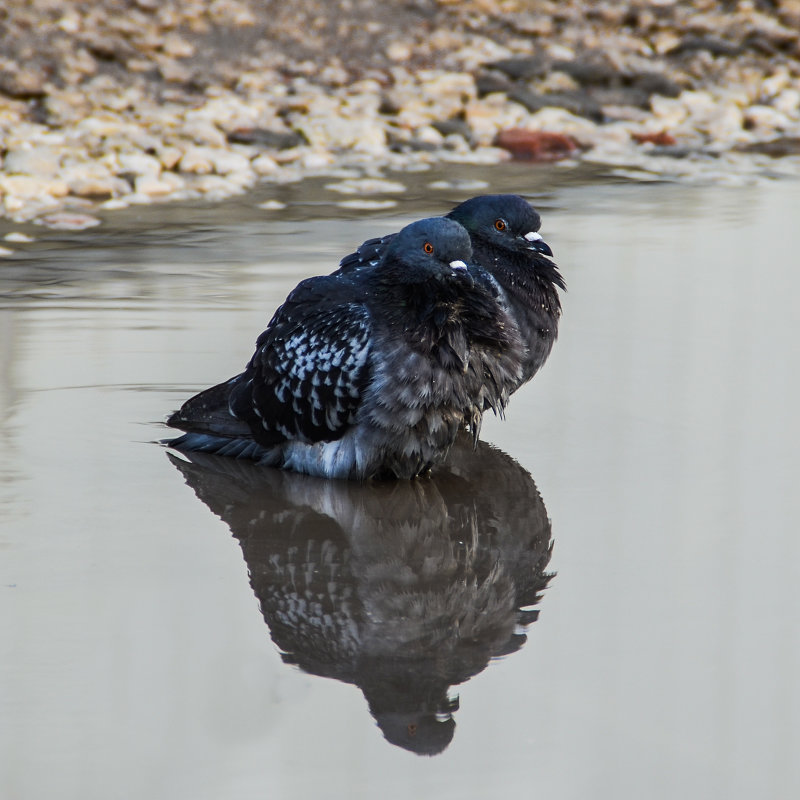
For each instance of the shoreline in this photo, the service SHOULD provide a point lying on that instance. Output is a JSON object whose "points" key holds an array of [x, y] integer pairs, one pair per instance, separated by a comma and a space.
{"points": [[129, 104]]}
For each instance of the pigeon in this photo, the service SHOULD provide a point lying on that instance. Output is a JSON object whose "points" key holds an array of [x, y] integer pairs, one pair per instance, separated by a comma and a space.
{"points": [[366, 374], [507, 245]]}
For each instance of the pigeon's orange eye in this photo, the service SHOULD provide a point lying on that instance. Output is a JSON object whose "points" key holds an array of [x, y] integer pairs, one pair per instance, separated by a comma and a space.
{"points": [[428, 248], [500, 224]]}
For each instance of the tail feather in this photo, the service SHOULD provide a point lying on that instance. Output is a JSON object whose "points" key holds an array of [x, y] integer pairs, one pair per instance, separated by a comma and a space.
{"points": [[209, 412], [218, 445]]}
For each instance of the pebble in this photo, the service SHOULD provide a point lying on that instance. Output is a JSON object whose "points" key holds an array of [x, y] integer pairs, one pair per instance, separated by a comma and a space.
{"points": [[367, 205], [272, 205], [459, 185], [536, 145], [65, 221], [29, 160], [366, 186], [153, 186]]}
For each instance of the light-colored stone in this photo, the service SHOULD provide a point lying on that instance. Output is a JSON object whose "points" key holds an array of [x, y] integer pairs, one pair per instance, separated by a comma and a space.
{"points": [[226, 162], [176, 46], [197, 160], [264, 165], [67, 221], [366, 186], [29, 186], [139, 164], [765, 119], [33, 160], [203, 132], [317, 159], [152, 186], [788, 102], [169, 156], [363, 204]]}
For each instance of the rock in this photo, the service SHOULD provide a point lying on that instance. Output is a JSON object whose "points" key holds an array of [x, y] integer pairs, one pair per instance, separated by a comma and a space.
{"points": [[29, 186], [524, 68], [367, 205], [65, 221], [272, 205], [398, 51], [278, 140], [658, 138], [592, 69], [197, 160], [202, 132], [765, 119], [488, 115], [428, 135], [655, 83], [711, 44], [264, 165], [579, 102], [366, 186], [169, 156], [175, 45], [138, 164], [215, 187], [174, 71], [456, 124], [774, 148], [459, 185], [489, 83], [153, 186], [226, 162], [525, 145], [316, 160], [787, 101], [725, 125], [33, 160], [98, 187], [670, 113], [23, 83]]}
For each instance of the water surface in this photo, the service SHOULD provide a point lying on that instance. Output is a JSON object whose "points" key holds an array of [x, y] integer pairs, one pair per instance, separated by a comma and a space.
{"points": [[139, 596]]}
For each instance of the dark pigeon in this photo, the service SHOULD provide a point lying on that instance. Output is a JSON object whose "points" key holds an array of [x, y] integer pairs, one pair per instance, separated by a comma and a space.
{"points": [[369, 373], [504, 230]]}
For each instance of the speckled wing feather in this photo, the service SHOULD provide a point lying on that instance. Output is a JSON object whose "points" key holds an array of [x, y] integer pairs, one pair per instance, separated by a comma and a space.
{"points": [[309, 370], [367, 255]]}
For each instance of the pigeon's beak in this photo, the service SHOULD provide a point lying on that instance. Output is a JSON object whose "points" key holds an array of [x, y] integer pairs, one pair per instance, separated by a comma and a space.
{"points": [[460, 269], [535, 242]]}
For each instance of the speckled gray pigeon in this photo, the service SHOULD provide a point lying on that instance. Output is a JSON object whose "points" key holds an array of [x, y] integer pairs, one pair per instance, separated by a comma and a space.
{"points": [[366, 374]]}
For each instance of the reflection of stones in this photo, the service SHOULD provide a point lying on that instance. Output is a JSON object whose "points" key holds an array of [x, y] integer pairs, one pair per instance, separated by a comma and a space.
{"points": [[404, 588]]}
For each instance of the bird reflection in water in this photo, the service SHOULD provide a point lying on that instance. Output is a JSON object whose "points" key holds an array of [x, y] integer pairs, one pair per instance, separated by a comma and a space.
{"points": [[403, 588]]}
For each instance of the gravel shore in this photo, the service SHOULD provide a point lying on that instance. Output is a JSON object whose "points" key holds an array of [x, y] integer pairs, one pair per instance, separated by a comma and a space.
{"points": [[108, 104]]}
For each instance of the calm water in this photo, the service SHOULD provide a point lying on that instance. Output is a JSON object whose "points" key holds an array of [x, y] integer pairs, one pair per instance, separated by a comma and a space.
{"points": [[657, 454]]}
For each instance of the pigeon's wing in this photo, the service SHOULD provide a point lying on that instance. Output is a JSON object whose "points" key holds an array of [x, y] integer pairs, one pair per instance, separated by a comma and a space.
{"points": [[309, 370], [367, 255]]}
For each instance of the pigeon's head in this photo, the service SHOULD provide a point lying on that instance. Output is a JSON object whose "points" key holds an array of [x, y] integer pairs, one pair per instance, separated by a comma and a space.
{"points": [[430, 249], [504, 221]]}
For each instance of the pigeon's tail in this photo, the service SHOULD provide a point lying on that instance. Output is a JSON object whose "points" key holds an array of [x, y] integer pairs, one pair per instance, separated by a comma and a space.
{"points": [[210, 413], [219, 446]]}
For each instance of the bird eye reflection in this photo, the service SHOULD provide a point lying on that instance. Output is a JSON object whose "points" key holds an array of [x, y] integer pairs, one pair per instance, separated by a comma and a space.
{"points": [[402, 588]]}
